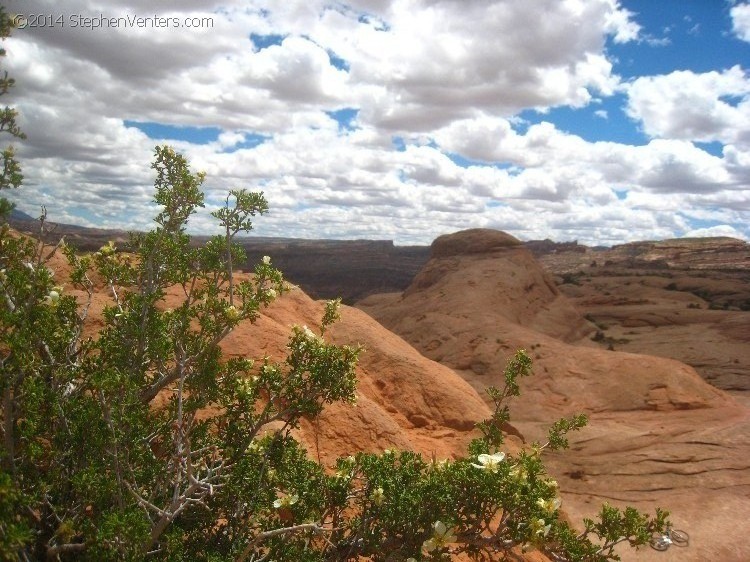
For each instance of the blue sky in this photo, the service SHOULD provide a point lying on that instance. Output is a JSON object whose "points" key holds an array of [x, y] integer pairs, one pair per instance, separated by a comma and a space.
{"points": [[595, 120]]}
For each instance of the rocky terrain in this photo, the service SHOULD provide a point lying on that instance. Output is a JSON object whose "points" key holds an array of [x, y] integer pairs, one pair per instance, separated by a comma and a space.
{"points": [[716, 270], [686, 299], [405, 400], [659, 434], [683, 299], [393, 409]]}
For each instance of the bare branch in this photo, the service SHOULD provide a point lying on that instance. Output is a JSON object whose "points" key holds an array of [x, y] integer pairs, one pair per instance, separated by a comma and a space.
{"points": [[316, 528]]}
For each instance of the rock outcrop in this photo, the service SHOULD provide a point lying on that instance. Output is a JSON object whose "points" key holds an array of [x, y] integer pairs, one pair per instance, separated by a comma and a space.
{"points": [[718, 254], [686, 299], [659, 434], [405, 400]]}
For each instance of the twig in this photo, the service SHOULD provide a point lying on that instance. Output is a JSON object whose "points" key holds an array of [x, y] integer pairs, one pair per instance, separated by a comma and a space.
{"points": [[260, 537]]}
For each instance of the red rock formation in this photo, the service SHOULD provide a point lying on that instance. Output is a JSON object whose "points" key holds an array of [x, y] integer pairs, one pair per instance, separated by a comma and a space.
{"points": [[684, 299], [405, 401], [659, 435]]}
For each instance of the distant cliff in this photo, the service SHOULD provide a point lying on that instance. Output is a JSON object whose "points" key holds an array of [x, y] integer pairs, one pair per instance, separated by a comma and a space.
{"points": [[351, 269], [324, 269], [715, 269]]}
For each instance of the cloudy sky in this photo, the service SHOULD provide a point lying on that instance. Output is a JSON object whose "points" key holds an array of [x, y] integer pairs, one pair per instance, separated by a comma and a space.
{"points": [[598, 120]]}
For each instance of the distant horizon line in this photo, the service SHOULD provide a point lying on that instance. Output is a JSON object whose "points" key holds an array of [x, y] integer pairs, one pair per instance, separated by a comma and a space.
{"points": [[20, 216]]}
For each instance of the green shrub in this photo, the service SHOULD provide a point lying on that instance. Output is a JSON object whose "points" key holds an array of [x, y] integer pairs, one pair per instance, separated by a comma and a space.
{"points": [[571, 278], [10, 170], [599, 337]]}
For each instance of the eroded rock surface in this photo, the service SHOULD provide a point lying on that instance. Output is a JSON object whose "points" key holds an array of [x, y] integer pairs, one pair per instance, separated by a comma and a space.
{"points": [[659, 434], [406, 401], [684, 299]]}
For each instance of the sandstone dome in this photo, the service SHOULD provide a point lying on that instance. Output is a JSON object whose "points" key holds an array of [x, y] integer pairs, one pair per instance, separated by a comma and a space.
{"points": [[472, 241]]}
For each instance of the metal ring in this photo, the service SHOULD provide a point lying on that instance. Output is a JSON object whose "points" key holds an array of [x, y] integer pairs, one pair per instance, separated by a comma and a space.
{"points": [[660, 543], [678, 537]]}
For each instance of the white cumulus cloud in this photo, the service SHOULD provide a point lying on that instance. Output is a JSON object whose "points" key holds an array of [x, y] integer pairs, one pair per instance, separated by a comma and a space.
{"points": [[711, 106], [740, 15], [719, 230]]}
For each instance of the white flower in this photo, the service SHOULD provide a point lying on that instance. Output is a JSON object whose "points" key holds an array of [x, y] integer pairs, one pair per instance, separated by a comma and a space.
{"points": [[52, 298], [108, 249], [266, 260], [441, 535], [245, 385], [309, 333], [377, 496], [271, 293], [518, 472], [549, 506], [285, 501], [232, 312], [539, 528], [490, 462]]}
